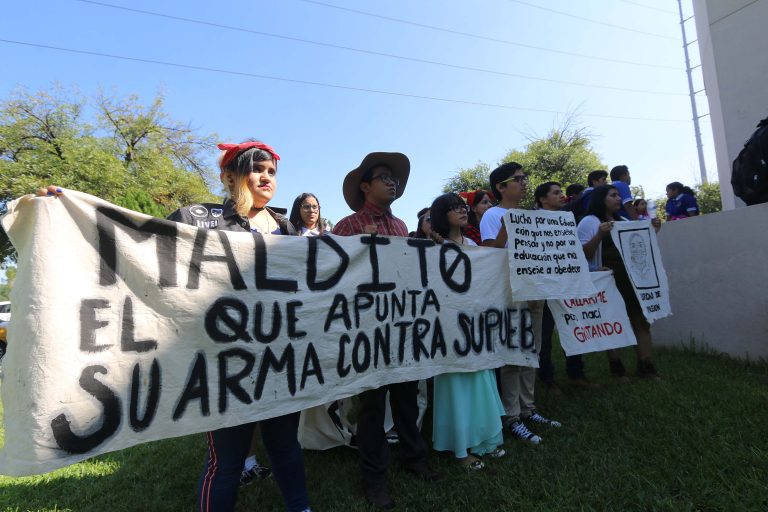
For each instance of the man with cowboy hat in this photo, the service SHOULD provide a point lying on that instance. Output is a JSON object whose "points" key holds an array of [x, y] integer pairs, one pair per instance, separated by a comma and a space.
{"points": [[369, 190]]}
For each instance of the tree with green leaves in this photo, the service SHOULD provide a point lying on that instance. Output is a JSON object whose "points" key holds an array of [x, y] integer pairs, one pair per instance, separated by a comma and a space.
{"points": [[565, 155], [467, 180], [7, 285], [708, 197], [125, 152]]}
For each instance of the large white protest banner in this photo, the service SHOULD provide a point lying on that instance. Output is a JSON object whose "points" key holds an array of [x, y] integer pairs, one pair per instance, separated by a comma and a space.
{"points": [[128, 329], [593, 323], [639, 249], [546, 260]]}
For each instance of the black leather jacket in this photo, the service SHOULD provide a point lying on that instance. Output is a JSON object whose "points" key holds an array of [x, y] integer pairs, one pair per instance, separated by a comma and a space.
{"points": [[223, 216]]}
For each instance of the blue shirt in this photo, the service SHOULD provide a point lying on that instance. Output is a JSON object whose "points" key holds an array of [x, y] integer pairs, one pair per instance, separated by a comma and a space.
{"points": [[625, 194], [679, 207]]}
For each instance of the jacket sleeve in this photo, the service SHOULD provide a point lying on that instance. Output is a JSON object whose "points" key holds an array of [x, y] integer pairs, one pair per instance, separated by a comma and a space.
{"points": [[176, 216]]}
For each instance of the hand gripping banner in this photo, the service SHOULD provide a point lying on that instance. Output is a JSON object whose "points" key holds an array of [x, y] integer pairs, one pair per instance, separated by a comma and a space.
{"points": [[128, 328]]}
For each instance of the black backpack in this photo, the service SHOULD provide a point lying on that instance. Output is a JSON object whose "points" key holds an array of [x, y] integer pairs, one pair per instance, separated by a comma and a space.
{"points": [[749, 176]]}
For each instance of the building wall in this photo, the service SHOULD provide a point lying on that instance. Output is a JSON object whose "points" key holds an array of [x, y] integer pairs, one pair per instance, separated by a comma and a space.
{"points": [[717, 265], [735, 70]]}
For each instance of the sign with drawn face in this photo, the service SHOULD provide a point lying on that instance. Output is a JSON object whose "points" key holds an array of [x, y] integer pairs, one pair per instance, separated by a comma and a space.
{"points": [[132, 329], [638, 246]]}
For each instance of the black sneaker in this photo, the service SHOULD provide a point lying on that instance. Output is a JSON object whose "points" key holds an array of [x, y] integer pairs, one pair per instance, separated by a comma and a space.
{"points": [[257, 472], [617, 368], [423, 471], [646, 370], [378, 496]]}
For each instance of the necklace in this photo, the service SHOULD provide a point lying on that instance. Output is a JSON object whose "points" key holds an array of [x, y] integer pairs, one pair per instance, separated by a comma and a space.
{"points": [[262, 222]]}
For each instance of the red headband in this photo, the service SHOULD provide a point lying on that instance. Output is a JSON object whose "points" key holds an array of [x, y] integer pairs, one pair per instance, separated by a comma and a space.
{"points": [[232, 150], [469, 197]]}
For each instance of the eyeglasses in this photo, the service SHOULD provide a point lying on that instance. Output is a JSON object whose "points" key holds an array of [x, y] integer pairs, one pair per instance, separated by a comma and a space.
{"points": [[387, 179], [517, 179], [310, 207], [460, 208]]}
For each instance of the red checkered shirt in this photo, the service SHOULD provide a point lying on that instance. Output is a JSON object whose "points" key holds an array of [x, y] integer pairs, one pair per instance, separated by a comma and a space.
{"points": [[385, 222]]}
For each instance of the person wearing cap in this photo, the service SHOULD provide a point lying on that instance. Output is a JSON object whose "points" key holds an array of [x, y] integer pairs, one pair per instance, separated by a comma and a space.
{"points": [[249, 175], [369, 190]]}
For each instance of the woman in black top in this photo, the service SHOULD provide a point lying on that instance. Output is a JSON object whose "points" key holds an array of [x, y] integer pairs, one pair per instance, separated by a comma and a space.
{"points": [[249, 173]]}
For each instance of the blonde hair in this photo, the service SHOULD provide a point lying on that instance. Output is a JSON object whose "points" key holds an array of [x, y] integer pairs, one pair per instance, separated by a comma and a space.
{"points": [[241, 167]]}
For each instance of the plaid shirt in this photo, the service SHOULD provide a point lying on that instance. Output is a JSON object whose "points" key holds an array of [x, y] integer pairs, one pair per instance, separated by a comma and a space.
{"points": [[473, 234], [385, 222]]}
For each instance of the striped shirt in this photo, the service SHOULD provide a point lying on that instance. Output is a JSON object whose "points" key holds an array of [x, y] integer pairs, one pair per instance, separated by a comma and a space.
{"points": [[370, 215]]}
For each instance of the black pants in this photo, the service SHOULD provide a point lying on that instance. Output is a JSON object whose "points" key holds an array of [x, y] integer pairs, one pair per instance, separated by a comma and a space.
{"points": [[574, 365], [227, 449], [371, 438]]}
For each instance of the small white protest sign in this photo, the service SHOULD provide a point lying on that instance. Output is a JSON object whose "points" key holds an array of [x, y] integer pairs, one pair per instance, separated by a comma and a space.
{"points": [[546, 260], [595, 322]]}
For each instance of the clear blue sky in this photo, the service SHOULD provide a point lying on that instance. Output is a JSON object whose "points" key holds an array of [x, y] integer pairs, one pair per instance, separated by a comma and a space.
{"points": [[565, 55]]}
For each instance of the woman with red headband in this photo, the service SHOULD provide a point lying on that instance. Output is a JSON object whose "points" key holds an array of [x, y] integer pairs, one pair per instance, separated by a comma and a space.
{"points": [[249, 174], [478, 201]]}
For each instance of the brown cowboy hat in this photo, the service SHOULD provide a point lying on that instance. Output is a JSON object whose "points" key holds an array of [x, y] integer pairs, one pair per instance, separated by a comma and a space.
{"points": [[398, 163]]}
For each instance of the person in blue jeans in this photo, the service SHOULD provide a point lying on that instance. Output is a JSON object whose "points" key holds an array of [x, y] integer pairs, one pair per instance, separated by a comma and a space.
{"points": [[249, 174]]}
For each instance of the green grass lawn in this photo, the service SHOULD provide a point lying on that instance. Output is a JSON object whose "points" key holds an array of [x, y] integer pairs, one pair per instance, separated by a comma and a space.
{"points": [[696, 441]]}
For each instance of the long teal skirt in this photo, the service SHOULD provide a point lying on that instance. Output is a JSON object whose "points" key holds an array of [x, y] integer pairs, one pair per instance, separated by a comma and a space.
{"points": [[467, 413]]}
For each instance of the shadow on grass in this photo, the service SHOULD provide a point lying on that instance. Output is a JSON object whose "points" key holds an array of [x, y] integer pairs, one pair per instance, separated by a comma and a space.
{"points": [[695, 441]]}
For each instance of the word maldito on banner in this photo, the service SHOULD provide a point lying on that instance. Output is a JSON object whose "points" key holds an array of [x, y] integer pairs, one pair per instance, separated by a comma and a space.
{"points": [[128, 328]]}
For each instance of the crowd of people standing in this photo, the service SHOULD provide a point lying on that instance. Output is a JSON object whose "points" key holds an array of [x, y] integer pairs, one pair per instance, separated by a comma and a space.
{"points": [[473, 411]]}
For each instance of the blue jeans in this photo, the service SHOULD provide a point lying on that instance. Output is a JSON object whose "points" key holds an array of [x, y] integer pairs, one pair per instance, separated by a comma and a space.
{"points": [[227, 450]]}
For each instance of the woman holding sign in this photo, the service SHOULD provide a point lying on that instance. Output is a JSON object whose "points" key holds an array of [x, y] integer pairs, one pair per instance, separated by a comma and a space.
{"points": [[467, 409], [594, 232], [249, 175]]}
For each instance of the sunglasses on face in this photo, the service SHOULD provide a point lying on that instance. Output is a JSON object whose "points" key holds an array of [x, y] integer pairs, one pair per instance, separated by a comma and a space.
{"points": [[387, 179], [310, 207], [517, 179]]}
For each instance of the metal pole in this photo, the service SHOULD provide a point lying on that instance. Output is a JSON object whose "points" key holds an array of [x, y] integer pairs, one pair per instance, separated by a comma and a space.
{"points": [[688, 70]]}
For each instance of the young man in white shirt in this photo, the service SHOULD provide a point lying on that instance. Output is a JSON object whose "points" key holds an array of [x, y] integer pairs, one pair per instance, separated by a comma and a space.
{"points": [[509, 185]]}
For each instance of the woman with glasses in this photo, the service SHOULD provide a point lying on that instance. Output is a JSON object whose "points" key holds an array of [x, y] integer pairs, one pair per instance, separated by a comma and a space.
{"points": [[478, 201], [466, 409], [305, 215]]}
